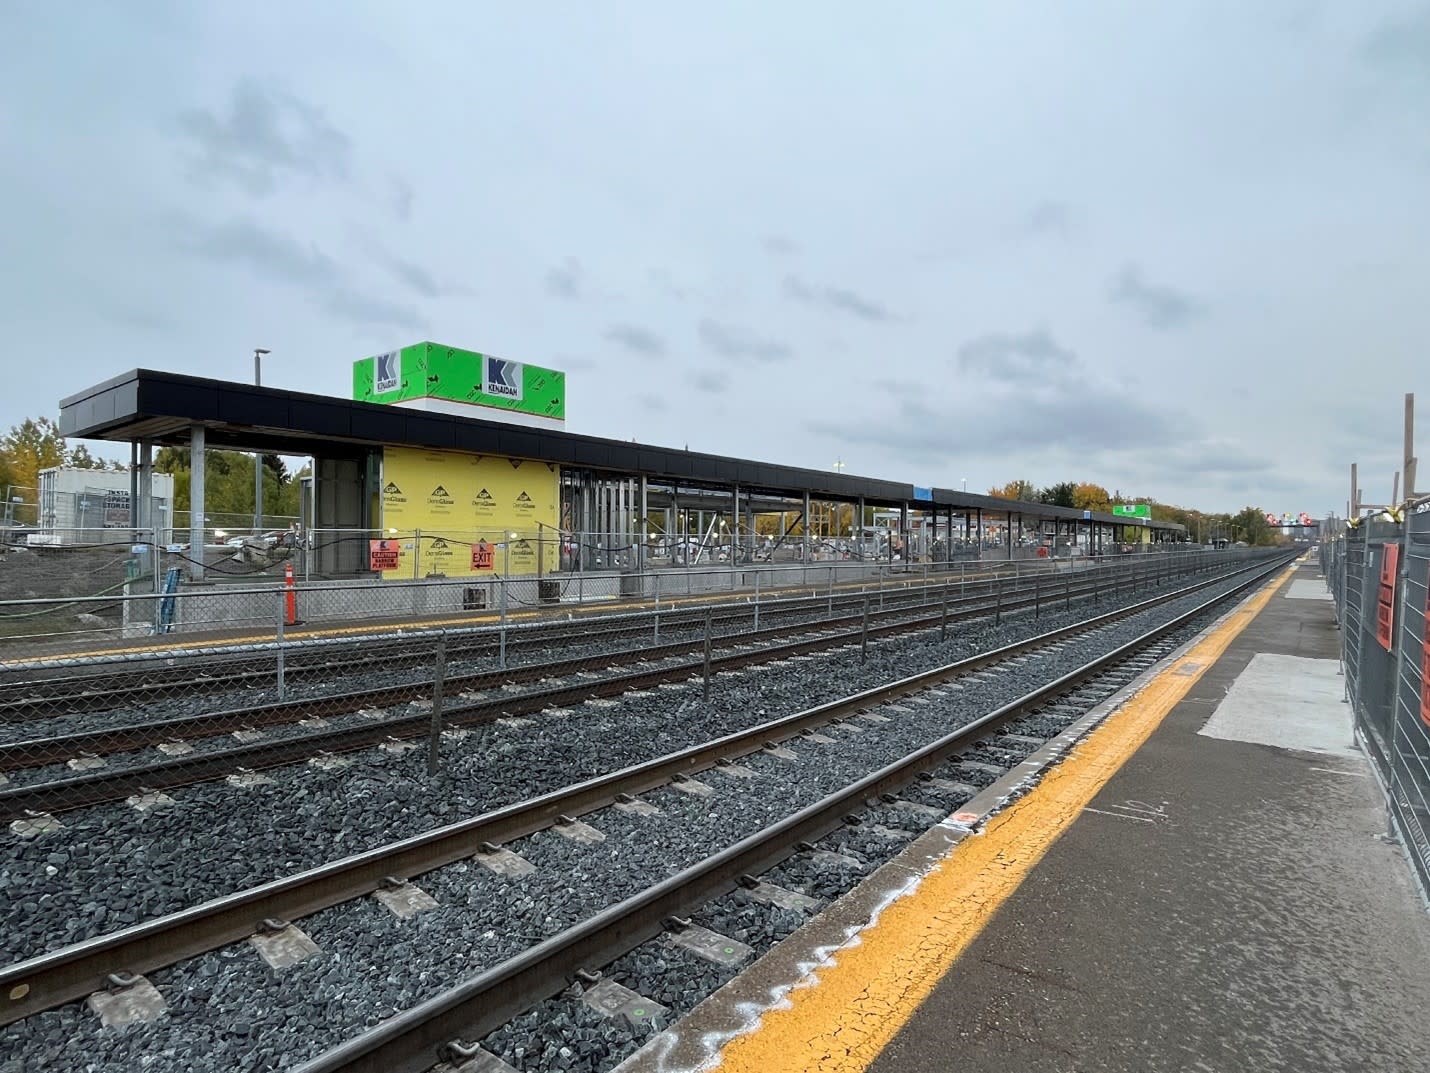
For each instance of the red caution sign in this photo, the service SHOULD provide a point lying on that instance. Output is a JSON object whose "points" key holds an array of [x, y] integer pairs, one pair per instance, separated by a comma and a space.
{"points": [[1425, 668], [483, 555], [382, 555], [1385, 605]]}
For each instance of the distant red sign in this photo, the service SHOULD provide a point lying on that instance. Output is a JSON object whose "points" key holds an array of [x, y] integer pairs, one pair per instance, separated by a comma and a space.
{"points": [[483, 555], [382, 554], [1385, 605], [1425, 670]]}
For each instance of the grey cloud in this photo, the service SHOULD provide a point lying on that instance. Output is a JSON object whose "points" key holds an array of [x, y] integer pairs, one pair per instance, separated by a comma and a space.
{"points": [[732, 342], [849, 302], [1050, 218], [663, 280], [414, 275], [649, 403], [780, 246], [401, 195], [1029, 375], [1032, 356], [709, 383], [264, 136], [1402, 45], [364, 309], [1087, 424], [564, 281], [272, 255], [1160, 306], [637, 340], [838, 298]]}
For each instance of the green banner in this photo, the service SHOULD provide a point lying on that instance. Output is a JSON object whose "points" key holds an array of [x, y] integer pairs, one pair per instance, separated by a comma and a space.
{"points": [[1132, 510], [434, 371]]}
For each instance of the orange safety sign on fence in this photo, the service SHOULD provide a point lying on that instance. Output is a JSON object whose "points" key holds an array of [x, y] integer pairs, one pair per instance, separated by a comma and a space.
{"points": [[1385, 605], [382, 554], [1388, 564], [1425, 685], [1425, 667]]}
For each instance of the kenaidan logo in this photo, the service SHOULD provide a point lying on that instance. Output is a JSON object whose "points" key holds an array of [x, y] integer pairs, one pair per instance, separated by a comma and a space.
{"points": [[387, 372], [501, 378]]}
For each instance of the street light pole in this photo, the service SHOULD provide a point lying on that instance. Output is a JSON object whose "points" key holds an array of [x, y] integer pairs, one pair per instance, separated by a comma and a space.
{"points": [[258, 353]]}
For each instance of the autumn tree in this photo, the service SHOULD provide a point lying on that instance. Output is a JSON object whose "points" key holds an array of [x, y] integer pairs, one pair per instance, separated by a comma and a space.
{"points": [[29, 447], [1087, 496], [1019, 489]]}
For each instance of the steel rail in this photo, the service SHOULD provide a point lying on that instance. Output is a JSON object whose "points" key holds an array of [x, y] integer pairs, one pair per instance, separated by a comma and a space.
{"points": [[48, 980], [68, 691], [416, 1039], [62, 689], [102, 786]]}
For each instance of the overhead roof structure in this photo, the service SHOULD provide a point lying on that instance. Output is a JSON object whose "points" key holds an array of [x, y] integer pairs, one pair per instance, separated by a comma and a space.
{"points": [[162, 407]]}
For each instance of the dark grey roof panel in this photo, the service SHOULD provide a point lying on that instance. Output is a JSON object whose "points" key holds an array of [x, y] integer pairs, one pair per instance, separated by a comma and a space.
{"points": [[162, 406]]}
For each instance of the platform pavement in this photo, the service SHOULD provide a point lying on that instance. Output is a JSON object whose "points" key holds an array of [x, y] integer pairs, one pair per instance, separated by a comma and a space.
{"points": [[1162, 900], [1220, 906]]}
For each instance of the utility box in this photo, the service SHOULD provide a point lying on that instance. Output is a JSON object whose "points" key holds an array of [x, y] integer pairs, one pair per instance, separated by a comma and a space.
{"points": [[474, 598], [548, 592]]}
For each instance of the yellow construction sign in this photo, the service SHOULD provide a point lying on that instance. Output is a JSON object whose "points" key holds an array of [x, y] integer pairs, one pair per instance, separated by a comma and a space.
{"points": [[462, 515]]}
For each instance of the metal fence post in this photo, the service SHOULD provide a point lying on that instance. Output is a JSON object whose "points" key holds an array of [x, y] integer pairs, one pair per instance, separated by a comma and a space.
{"points": [[1067, 589], [943, 619], [998, 602], [708, 615], [656, 635], [757, 600], [864, 634], [501, 645], [282, 675], [439, 676], [1037, 597]]}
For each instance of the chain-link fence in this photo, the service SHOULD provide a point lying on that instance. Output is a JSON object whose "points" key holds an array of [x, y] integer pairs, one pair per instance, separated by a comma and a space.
{"points": [[201, 684], [1377, 573]]}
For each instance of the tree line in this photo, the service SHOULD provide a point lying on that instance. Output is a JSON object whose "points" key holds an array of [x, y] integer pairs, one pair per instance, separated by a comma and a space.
{"points": [[35, 444], [1248, 524]]}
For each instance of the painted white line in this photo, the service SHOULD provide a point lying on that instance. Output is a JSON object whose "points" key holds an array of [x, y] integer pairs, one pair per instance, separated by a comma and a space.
{"points": [[1119, 815], [1337, 771]]}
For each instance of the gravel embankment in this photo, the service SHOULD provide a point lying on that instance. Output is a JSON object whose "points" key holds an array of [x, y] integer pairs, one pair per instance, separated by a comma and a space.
{"points": [[228, 1011]]}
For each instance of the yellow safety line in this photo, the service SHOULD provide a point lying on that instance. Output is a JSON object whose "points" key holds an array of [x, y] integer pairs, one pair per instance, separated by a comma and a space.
{"points": [[844, 1012], [596, 607]]}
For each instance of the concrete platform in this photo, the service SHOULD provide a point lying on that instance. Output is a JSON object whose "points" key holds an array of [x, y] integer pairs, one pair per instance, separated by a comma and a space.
{"points": [[1201, 885], [1222, 905]]}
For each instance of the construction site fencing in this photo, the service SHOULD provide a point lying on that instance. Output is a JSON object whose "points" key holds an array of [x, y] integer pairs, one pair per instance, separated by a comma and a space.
{"points": [[231, 682], [1377, 574]]}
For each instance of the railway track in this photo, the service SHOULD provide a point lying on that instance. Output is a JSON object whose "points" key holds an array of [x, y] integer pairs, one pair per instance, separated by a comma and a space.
{"points": [[94, 787], [115, 682], [439, 1026]]}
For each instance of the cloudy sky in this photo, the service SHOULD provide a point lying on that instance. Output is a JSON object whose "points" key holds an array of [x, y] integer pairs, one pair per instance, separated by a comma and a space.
{"points": [[1179, 249]]}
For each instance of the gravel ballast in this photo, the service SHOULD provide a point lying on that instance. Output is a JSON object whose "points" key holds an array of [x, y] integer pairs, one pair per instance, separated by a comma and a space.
{"points": [[372, 964]]}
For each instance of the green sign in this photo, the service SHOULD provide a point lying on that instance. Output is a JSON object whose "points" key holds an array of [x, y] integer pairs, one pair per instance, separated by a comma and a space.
{"points": [[434, 371], [1132, 510]]}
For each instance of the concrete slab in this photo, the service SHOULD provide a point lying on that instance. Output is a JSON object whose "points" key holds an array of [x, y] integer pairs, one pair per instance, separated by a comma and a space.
{"points": [[1307, 589], [1219, 907], [1290, 702]]}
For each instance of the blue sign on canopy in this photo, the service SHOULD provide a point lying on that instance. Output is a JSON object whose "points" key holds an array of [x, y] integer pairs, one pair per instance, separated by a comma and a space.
{"points": [[925, 494]]}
